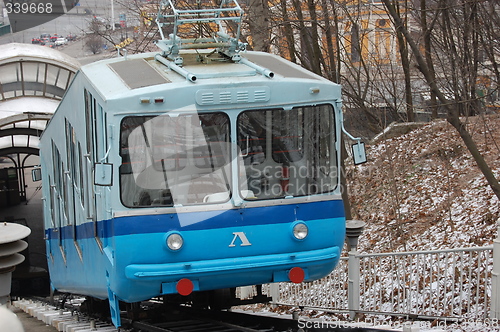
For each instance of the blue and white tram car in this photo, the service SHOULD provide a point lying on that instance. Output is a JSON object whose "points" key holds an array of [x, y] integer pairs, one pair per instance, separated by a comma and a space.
{"points": [[163, 180]]}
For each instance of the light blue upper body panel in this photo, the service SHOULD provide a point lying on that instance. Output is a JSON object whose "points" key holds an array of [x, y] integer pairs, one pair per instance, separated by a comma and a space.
{"points": [[140, 75]]}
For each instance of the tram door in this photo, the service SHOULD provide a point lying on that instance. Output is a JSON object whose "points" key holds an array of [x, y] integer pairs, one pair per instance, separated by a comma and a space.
{"points": [[96, 152], [101, 153], [91, 195], [57, 204], [74, 208]]}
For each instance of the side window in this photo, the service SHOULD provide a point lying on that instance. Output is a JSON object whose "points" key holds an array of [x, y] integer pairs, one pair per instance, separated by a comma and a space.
{"points": [[88, 156], [71, 174], [56, 161], [58, 184], [89, 127], [81, 174], [52, 197]]}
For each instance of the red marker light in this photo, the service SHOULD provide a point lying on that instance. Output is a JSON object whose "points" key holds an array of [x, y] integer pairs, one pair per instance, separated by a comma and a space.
{"points": [[184, 287], [296, 275]]}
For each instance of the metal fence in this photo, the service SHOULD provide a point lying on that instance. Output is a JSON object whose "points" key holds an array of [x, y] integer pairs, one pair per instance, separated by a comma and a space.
{"points": [[454, 283]]}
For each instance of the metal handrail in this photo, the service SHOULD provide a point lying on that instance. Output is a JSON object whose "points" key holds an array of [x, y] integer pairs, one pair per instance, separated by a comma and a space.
{"points": [[424, 284], [423, 252]]}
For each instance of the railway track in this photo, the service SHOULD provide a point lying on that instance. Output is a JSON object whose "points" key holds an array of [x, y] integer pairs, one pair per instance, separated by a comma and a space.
{"points": [[193, 325], [238, 322], [182, 319], [188, 319]]}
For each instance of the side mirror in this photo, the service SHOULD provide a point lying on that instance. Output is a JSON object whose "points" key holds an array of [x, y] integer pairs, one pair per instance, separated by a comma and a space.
{"points": [[36, 174], [103, 174], [359, 153]]}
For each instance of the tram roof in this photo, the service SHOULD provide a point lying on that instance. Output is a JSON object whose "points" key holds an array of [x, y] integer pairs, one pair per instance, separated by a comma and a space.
{"points": [[121, 76]]}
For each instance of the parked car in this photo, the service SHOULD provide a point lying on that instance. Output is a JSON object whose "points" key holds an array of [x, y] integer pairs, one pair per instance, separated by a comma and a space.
{"points": [[60, 41], [71, 37], [35, 40], [45, 35]]}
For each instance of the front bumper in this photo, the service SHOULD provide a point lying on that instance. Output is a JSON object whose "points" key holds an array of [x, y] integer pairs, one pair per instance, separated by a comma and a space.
{"points": [[239, 271]]}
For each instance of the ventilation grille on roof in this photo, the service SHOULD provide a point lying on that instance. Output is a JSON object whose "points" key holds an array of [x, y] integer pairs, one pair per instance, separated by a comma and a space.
{"points": [[233, 96]]}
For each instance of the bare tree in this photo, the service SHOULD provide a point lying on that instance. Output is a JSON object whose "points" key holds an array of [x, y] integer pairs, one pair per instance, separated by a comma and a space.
{"points": [[426, 36], [405, 60], [258, 24], [93, 42], [452, 109]]}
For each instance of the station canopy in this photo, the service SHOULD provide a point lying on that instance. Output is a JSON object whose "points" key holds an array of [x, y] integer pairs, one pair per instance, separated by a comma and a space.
{"points": [[33, 80]]}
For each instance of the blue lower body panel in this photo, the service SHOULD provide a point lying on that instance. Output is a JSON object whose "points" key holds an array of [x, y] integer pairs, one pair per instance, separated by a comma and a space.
{"points": [[73, 272], [232, 248]]}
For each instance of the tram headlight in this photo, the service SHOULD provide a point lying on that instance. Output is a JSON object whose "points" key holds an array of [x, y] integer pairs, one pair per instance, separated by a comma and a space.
{"points": [[174, 241], [300, 231]]}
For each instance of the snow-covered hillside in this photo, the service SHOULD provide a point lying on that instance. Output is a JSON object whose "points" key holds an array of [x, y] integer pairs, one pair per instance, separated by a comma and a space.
{"points": [[423, 190], [419, 191]]}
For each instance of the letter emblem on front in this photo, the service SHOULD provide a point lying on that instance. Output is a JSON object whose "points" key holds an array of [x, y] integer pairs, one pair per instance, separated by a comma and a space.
{"points": [[243, 239]]}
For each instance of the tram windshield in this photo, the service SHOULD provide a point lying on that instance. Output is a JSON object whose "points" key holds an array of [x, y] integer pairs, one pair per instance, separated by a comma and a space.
{"points": [[288, 152], [175, 159], [185, 159]]}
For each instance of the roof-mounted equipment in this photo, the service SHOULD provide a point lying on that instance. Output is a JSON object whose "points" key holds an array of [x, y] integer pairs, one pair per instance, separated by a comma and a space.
{"points": [[215, 20]]}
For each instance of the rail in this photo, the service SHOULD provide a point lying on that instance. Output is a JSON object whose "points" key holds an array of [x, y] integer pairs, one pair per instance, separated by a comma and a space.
{"points": [[451, 284], [66, 316]]}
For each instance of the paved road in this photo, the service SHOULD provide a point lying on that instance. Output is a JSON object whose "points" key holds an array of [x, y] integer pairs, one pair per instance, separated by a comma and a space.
{"points": [[75, 22]]}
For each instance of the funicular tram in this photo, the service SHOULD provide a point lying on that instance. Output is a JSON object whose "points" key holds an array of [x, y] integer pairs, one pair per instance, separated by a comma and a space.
{"points": [[199, 168]]}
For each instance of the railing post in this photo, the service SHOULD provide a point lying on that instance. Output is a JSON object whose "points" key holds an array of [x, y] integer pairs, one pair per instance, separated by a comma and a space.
{"points": [[354, 228], [495, 278], [275, 292], [353, 283]]}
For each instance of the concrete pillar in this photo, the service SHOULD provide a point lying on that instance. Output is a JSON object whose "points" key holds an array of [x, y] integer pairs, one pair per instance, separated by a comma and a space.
{"points": [[354, 228]]}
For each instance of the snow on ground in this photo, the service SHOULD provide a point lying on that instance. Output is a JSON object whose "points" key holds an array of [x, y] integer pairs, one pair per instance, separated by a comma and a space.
{"points": [[424, 191]]}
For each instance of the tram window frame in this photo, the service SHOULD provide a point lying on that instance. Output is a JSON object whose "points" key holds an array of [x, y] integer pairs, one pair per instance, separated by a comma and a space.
{"points": [[52, 204], [95, 140], [68, 181], [65, 200], [95, 127], [56, 161], [100, 127], [185, 164], [59, 203], [81, 175], [89, 132], [91, 146], [270, 172]]}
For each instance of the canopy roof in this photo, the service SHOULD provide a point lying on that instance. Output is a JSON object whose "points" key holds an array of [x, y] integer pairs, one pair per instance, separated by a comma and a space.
{"points": [[33, 79]]}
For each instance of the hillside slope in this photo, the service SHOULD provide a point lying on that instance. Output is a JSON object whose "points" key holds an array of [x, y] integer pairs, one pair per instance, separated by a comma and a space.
{"points": [[424, 191]]}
